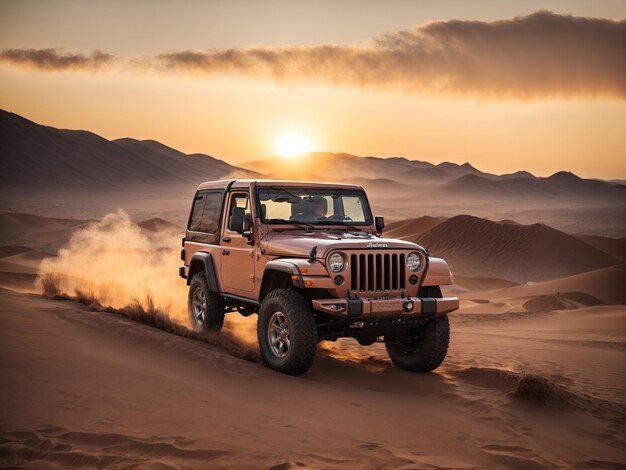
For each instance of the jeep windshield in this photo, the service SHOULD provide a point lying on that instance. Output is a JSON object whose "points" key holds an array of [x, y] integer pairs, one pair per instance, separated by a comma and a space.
{"points": [[319, 206]]}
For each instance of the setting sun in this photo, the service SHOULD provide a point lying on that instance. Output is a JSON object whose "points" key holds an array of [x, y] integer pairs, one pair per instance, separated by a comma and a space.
{"points": [[292, 145]]}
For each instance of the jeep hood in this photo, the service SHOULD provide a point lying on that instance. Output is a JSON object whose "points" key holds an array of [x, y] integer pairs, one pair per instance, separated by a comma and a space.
{"points": [[299, 242]]}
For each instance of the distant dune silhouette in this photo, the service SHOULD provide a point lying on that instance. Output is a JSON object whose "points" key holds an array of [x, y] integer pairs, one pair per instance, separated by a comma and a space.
{"points": [[561, 183], [41, 158], [87, 176]]}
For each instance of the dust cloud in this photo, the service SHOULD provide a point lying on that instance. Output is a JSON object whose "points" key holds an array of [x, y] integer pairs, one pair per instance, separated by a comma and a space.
{"points": [[114, 266], [115, 263]]}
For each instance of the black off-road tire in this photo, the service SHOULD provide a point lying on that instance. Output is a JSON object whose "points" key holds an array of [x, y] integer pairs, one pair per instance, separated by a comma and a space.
{"points": [[213, 317], [302, 331], [426, 348]]}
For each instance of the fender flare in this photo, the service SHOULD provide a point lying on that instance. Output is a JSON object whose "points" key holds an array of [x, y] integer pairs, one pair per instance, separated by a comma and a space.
{"points": [[207, 260], [284, 266], [438, 273]]}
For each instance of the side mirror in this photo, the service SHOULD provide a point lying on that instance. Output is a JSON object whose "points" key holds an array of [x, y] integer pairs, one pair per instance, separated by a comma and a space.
{"points": [[379, 221]]}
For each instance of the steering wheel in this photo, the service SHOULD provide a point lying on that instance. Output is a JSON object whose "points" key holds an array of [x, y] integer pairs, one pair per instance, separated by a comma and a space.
{"points": [[340, 218]]}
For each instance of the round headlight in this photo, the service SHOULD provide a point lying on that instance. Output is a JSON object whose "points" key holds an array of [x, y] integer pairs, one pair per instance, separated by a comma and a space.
{"points": [[414, 262], [336, 262]]}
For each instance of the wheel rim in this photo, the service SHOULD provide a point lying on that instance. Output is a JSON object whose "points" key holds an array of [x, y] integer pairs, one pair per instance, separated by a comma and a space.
{"points": [[199, 306], [278, 334]]}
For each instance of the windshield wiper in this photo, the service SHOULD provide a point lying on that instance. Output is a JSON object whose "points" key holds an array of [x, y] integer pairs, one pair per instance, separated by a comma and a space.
{"points": [[296, 223], [305, 225], [352, 227]]}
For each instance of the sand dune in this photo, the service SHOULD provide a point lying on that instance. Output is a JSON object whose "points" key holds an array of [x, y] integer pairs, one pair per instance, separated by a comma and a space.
{"points": [[25, 262], [13, 250], [106, 390], [15, 223], [333, 166], [19, 266], [613, 246], [129, 429], [603, 286], [473, 284], [41, 159], [519, 253], [531, 187], [157, 224], [78, 174], [35, 231], [103, 390], [409, 229], [505, 253], [606, 284]]}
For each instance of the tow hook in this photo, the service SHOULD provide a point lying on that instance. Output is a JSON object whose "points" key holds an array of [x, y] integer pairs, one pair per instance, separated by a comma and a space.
{"points": [[357, 324]]}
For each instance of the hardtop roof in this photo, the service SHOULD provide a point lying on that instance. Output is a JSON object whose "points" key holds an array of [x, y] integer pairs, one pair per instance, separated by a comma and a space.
{"points": [[245, 183]]}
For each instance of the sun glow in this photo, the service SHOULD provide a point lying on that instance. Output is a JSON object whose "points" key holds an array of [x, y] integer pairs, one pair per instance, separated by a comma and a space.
{"points": [[292, 145]]}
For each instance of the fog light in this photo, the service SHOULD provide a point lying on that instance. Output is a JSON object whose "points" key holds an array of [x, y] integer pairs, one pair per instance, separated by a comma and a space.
{"points": [[339, 280], [408, 305], [413, 279]]}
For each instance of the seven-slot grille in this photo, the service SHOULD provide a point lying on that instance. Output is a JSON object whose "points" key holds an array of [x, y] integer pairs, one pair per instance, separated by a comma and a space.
{"points": [[377, 272]]}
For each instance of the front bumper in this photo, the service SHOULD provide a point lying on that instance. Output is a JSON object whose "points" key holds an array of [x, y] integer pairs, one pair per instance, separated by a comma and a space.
{"points": [[397, 307]]}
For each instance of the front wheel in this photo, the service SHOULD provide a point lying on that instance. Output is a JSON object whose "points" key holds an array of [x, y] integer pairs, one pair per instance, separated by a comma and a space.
{"points": [[422, 349], [287, 332]]}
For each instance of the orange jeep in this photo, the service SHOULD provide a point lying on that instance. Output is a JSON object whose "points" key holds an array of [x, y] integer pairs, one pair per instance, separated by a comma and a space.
{"points": [[309, 260]]}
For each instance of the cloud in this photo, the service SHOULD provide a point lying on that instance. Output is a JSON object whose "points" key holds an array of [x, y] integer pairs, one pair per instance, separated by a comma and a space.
{"points": [[536, 55], [51, 60], [539, 55]]}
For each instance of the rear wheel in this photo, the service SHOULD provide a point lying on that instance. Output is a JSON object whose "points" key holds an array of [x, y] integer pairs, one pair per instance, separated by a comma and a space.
{"points": [[205, 307], [287, 332], [422, 349]]}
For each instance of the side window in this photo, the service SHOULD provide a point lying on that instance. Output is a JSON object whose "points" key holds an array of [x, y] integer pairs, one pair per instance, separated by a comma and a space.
{"points": [[240, 208], [210, 222], [196, 211], [205, 216]]}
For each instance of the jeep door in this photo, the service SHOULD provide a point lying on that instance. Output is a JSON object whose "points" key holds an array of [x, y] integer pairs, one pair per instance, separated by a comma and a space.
{"points": [[237, 255]]}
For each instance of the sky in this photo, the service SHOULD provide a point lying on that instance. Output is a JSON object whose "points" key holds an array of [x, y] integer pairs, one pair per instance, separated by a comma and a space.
{"points": [[539, 86]]}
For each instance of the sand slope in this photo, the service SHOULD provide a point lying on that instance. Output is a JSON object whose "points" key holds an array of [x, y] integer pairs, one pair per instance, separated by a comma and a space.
{"points": [[36, 231], [613, 246], [606, 284], [473, 246], [93, 389], [38, 159], [409, 229], [157, 224], [532, 187], [341, 166], [64, 173]]}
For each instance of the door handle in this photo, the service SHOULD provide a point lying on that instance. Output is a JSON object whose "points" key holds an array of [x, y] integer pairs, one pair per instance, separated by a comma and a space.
{"points": [[226, 239], [225, 252]]}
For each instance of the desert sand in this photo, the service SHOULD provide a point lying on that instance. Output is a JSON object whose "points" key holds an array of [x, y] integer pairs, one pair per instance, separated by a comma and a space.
{"points": [[100, 370], [522, 387], [93, 389]]}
